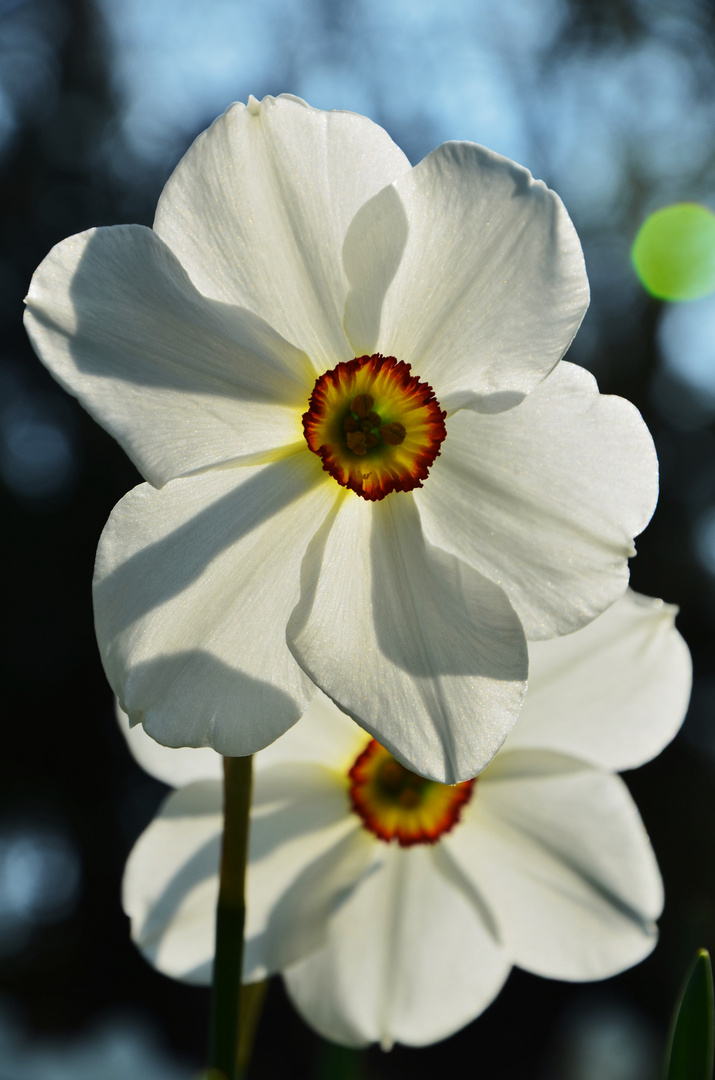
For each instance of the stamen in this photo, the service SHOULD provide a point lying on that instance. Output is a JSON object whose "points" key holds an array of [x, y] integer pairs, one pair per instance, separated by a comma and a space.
{"points": [[361, 441], [375, 426], [362, 405], [397, 804], [393, 434]]}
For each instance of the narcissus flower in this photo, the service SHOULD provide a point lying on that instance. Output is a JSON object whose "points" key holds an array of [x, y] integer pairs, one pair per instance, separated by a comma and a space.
{"points": [[395, 906], [368, 471]]}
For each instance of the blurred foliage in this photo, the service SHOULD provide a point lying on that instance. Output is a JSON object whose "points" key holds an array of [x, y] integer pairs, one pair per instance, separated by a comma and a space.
{"points": [[692, 1036]]}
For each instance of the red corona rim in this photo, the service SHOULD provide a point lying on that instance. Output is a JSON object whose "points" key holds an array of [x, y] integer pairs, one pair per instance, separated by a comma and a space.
{"points": [[396, 804], [374, 425]]}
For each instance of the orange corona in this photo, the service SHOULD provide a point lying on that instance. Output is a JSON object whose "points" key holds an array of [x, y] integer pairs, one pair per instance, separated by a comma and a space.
{"points": [[374, 425], [396, 804]]}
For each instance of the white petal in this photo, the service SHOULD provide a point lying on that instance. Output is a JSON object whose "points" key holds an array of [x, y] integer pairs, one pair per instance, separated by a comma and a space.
{"points": [[180, 381], [170, 883], [559, 852], [323, 734], [409, 958], [169, 764], [373, 248], [614, 693], [546, 498], [490, 287], [193, 588], [305, 852], [422, 651], [258, 208]]}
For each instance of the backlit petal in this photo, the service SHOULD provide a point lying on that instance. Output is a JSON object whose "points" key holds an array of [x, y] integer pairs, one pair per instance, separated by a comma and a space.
{"points": [[408, 959], [546, 498], [258, 208], [170, 884], [469, 270], [174, 766], [304, 852], [182, 382], [193, 588], [307, 854], [323, 734], [421, 650], [560, 855], [614, 693]]}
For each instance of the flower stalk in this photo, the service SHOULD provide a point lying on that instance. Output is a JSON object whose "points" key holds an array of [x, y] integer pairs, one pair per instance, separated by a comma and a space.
{"points": [[225, 1036]]}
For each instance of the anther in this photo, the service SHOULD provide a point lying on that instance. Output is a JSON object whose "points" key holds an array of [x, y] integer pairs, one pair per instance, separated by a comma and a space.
{"points": [[361, 441], [362, 405], [393, 434]]}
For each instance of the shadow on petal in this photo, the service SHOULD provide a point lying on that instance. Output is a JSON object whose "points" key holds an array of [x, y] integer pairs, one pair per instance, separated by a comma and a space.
{"points": [[306, 799], [373, 247], [165, 567], [298, 922], [218, 348], [427, 604], [497, 402], [454, 874], [244, 713], [202, 865]]}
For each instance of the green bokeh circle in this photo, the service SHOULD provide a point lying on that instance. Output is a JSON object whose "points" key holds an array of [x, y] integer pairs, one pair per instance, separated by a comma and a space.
{"points": [[674, 252]]}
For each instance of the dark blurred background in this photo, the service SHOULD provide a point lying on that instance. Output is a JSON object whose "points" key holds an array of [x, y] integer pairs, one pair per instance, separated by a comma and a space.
{"points": [[612, 102]]}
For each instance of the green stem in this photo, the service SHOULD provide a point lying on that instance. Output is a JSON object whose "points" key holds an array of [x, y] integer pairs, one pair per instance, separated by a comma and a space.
{"points": [[230, 919], [252, 999]]}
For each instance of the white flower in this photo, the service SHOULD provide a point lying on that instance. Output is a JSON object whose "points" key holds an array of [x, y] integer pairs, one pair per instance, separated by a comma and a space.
{"points": [[310, 318], [541, 862]]}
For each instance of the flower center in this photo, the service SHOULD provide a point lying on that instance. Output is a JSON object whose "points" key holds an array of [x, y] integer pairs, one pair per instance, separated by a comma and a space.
{"points": [[374, 425], [396, 804]]}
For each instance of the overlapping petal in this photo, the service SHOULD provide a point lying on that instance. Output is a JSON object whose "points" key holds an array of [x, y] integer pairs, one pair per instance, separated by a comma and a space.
{"points": [[181, 381], [558, 850], [324, 733], [194, 585], [409, 958], [424, 651], [173, 766], [305, 854], [257, 212], [545, 498], [469, 270], [614, 693]]}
